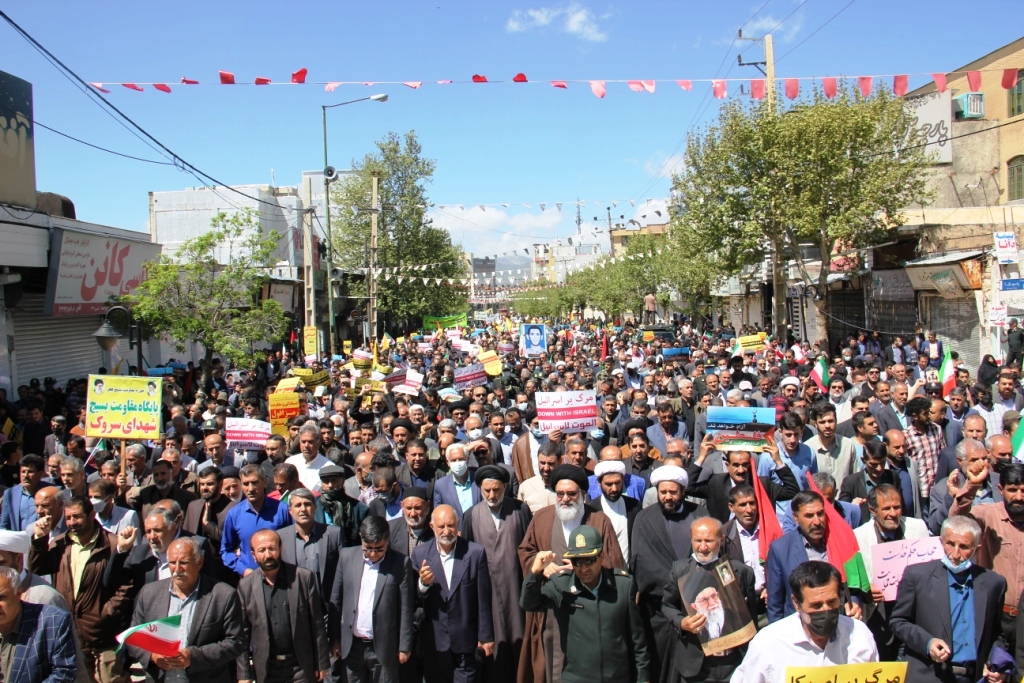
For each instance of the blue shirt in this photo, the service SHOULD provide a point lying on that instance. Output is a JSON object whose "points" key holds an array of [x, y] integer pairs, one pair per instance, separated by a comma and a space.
{"points": [[961, 609], [633, 486], [802, 462], [464, 492], [239, 526]]}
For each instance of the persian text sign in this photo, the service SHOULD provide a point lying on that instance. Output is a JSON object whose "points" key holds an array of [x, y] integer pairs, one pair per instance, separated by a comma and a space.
{"points": [[282, 408], [889, 560], [470, 376], [1006, 246], [121, 407], [411, 385], [848, 673], [246, 434], [86, 270], [568, 411]]}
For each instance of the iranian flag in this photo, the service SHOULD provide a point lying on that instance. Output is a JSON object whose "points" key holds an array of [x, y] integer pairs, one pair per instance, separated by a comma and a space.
{"points": [[947, 374], [737, 348], [768, 525], [819, 374], [1018, 444], [842, 547], [160, 637]]}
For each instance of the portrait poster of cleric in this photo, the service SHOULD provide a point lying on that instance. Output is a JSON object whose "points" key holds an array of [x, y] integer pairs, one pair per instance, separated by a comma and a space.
{"points": [[718, 596], [533, 340]]}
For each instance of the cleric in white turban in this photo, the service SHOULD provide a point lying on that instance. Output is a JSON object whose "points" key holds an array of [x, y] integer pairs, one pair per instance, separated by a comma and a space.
{"points": [[620, 508], [14, 546]]}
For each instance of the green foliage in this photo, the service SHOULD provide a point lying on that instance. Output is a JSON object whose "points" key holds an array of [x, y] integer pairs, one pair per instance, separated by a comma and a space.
{"points": [[405, 235], [208, 292]]}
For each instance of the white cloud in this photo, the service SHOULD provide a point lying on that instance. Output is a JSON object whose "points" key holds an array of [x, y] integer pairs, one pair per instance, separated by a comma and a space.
{"points": [[490, 231], [574, 18], [664, 166], [785, 33]]}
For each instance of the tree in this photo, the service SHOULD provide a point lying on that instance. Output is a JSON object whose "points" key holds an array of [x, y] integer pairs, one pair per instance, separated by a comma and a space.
{"points": [[209, 292], [833, 173], [405, 235]]}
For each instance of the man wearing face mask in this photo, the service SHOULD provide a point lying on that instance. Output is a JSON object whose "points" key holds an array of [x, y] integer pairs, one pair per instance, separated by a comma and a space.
{"points": [[717, 619], [970, 612], [815, 634], [113, 518], [457, 488]]}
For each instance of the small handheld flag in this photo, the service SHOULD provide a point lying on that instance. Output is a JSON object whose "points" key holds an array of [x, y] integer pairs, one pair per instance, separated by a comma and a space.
{"points": [[160, 637]]}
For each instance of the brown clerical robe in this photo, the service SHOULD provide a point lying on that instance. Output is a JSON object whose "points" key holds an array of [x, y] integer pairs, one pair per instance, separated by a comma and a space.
{"points": [[545, 533]]}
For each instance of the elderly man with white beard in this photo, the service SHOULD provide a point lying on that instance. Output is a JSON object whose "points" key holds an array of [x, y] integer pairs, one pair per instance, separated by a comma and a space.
{"points": [[712, 619], [499, 523], [541, 657]]}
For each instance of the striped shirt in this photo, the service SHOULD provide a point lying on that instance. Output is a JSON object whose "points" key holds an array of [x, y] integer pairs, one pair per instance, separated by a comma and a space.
{"points": [[924, 448]]}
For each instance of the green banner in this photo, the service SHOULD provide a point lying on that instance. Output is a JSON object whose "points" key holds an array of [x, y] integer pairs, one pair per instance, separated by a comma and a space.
{"points": [[430, 322]]}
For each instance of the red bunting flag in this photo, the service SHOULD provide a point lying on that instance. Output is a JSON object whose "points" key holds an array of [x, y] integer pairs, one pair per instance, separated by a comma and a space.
{"points": [[260, 80], [940, 82], [413, 84], [1009, 78], [477, 78], [685, 85], [974, 80], [188, 81], [559, 84], [720, 89], [300, 75], [597, 87], [648, 85], [227, 78], [519, 78], [162, 87], [830, 86], [899, 85], [99, 86], [792, 88], [635, 86], [757, 89], [865, 85], [132, 86]]}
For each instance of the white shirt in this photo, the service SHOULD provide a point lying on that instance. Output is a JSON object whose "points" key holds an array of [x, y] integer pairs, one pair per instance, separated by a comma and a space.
{"points": [[309, 473], [119, 519], [363, 627], [572, 524], [617, 515], [752, 554], [447, 564], [785, 643]]}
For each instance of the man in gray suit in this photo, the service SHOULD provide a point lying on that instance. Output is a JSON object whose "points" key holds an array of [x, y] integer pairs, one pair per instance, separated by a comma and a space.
{"points": [[211, 621], [282, 618], [370, 618], [312, 545]]}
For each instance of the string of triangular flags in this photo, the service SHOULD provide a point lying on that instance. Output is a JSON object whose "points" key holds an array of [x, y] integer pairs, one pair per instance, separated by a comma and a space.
{"points": [[599, 88], [543, 206]]}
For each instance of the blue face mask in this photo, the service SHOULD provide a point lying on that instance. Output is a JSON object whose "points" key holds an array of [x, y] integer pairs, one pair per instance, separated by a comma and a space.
{"points": [[962, 567], [537, 433], [596, 434]]}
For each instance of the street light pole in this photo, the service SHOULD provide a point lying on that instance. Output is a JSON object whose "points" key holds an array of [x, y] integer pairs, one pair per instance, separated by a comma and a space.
{"points": [[329, 177], [107, 337]]}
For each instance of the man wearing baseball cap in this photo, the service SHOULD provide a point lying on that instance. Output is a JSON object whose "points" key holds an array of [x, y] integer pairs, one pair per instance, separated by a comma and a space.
{"points": [[602, 640]]}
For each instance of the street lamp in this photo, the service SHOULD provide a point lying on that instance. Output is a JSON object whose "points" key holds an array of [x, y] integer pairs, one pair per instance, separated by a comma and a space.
{"points": [[107, 337], [330, 175]]}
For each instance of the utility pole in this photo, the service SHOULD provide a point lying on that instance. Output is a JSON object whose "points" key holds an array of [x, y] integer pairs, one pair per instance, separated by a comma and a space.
{"points": [[309, 276], [371, 306]]}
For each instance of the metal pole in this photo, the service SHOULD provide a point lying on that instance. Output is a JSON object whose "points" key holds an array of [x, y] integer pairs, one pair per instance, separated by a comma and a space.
{"points": [[779, 286], [330, 245], [374, 210]]}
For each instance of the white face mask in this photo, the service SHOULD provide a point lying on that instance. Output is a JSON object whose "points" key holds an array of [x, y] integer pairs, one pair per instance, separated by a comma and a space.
{"points": [[459, 467], [99, 505], [475, 433], [338, 432]]}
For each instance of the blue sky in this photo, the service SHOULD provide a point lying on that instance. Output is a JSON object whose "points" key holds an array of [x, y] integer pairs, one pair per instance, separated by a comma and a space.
{"points": [[494, 143]]}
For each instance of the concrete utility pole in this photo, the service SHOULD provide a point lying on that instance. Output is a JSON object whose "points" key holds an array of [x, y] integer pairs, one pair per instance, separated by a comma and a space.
{"points": [[308, 276], [371, 306]]}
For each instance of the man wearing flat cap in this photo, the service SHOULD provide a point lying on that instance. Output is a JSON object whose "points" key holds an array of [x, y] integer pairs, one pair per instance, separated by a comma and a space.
{"points": [[661, 536], [550, 530], [499, 523], [602, 635]]}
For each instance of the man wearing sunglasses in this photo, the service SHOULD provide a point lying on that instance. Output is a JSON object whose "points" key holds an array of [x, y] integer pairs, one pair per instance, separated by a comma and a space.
{"points": [[602, 636]]}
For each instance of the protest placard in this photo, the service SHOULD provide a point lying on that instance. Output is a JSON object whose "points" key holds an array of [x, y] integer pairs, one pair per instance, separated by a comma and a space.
{"points": [[504, 348], [470, 376], [288, 385], [751, 342], [492, 364], [283, 407], [890, 560], [412, 384], [395, 378], [245, 434], [122, 407], [741, 429], [568, 411], [425, 347], [719, 597], [848, 673]]}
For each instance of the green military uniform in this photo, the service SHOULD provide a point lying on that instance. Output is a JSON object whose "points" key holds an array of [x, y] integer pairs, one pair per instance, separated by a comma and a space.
{"points": [[602, 637]]}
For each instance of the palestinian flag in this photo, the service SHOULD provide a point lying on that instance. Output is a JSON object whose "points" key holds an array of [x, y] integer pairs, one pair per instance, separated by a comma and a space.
{"points": [[768, 527], [160, 637], [947, 374], [842, 547], [819, 374]]}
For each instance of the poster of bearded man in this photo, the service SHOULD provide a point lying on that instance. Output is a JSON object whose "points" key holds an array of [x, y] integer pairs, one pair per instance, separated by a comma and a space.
{"points": [[718, 596]]}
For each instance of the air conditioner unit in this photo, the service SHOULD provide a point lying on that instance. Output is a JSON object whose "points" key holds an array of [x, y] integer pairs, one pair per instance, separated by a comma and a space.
{"points": [[969, 105]]}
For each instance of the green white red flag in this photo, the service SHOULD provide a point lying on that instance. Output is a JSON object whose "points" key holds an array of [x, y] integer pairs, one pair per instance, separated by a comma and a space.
{"points": [[1018, 444], [842, 547], [160, 637], [947, 374], [737, 348], [819, 374]]}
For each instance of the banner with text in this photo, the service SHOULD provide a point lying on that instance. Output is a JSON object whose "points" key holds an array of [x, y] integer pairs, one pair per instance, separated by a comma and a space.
{"points": [[848, 673], [470, 376], [121, 407], [283, 407], [890, 560], [568, 411], [245, 434]]}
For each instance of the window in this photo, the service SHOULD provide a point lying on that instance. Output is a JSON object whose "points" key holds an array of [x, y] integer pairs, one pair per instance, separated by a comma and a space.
{"points": [[1015, 180], [1015, 96]]}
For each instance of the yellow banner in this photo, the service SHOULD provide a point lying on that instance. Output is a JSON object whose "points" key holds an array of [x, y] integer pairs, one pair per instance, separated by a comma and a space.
{"points": [[122, 407], [302, 372], [848, 673], [310, 337], [753, 341], [288, 385], [283, 407], [346, 347]]}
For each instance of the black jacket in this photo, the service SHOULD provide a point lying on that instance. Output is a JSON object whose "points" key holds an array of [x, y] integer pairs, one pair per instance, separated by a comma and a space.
{"points": [[716, 489]]}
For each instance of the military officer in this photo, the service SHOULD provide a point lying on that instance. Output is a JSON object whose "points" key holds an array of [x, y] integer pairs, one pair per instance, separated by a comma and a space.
{"points": [[602, 638]]}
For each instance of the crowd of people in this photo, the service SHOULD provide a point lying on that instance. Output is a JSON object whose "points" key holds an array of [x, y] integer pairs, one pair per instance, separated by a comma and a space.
{"points": [[441, 534]]}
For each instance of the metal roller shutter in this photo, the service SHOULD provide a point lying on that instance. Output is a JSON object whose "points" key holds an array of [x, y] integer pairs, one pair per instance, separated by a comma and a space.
{"points": [[61, 347], [956, 325], [846, 315], [892, 318]]}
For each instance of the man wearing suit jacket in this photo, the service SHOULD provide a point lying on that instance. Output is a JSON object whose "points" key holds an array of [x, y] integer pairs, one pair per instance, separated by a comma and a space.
{"points": [[894, 416], [205, 517], [370, 621], [413, 526], [455, 586], [282, 618], [855, 487], [417, 470], [905, 469], [211, 620], [457, 488], [311, 545], [738, 471], [42, 636], [948, 610], [19, 508]]}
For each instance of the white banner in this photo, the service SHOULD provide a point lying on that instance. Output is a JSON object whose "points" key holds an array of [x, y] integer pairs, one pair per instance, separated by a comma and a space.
{"points": [[245, 434], [568, 411]]}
